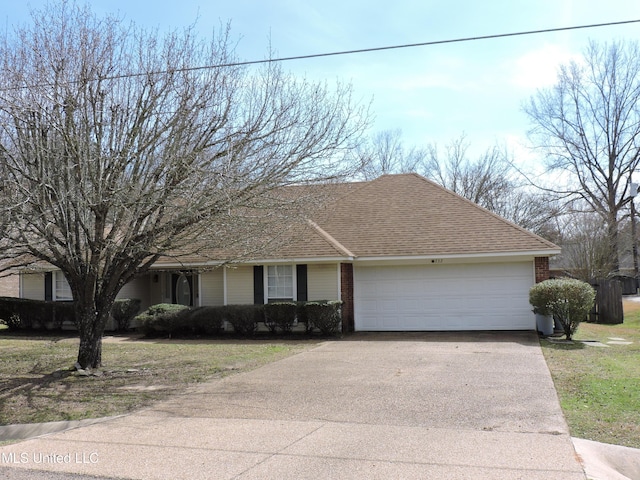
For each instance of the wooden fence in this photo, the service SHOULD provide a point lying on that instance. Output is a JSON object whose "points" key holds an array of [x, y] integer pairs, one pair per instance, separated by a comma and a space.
{"points": [[608, 304]]}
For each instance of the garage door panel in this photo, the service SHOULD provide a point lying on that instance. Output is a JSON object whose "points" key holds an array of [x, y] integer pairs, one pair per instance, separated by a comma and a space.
{"points": [[444, 297]]}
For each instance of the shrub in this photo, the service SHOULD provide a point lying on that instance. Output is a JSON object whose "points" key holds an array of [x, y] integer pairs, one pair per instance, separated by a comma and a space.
{"points": [[206, 320], [63, 312], [568, 300], [541, 296], [23, 313], [325, 316], [13, 321], [244, 318], [301, 315], [280, 315], [163, 318], [123, 311]]}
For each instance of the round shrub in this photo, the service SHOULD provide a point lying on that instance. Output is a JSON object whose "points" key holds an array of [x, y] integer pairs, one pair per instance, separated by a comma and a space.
{"points": [[569, 301], [207, 320], [244, 318], [280, 315], [123, 311], [164, 318], [325, 316]]}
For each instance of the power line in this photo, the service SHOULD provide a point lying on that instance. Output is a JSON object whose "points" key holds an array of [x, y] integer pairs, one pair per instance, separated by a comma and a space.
{"points": [[426, 44], [361, 50]]}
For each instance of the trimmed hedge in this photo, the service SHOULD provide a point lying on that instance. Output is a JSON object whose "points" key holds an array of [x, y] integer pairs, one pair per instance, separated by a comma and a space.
{"points": [[280, 315], [244, 318], [163, 318], [568, 300], [123, 311], [325, 316], [23, 314], [171, 319], [206, 320]]}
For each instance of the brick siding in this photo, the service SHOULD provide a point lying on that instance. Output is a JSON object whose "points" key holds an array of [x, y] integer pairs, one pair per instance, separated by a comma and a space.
{"points": [[542, 268], [346, 294]]}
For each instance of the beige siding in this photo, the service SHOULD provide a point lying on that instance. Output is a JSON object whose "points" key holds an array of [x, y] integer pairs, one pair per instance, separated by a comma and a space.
{"points": [[156, 293], [322, 282], [10, 286], [32, 286], [240, 285], [138, 288], [212, 288]]}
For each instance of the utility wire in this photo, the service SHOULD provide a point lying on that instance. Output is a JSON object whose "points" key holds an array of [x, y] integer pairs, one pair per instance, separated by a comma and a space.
{"points": [[425, 44], [362, 50]]}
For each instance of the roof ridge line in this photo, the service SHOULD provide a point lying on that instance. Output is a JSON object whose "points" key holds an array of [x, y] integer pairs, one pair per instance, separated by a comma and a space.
{"points": [[335, 243]]}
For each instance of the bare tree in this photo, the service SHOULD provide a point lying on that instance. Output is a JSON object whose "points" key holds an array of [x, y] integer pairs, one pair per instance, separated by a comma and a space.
{"points": [[117, 148], [485, 181], [588, 127], [585, 246], [385, 152], [490, 181]]}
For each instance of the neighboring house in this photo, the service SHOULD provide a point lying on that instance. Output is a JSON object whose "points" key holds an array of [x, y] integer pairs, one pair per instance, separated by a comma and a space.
{"points": [[401, 252]]}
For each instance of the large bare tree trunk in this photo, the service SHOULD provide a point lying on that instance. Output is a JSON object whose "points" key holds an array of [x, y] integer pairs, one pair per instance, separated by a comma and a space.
{"points": [[91, 324]]}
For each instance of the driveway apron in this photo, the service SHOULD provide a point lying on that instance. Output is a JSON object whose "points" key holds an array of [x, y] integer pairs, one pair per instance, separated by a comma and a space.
{"points": [[411, 406]]}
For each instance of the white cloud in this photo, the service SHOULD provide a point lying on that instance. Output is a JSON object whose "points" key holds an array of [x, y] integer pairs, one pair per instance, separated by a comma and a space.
{"points": [[539, 68]]}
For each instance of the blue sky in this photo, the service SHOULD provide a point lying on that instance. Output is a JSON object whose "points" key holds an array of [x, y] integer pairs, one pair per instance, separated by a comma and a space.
{"points": [[433, 93]]}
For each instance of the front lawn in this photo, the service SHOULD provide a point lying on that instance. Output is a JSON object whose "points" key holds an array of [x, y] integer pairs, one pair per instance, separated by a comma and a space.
{"points": [[599, 387], [36, 384]]}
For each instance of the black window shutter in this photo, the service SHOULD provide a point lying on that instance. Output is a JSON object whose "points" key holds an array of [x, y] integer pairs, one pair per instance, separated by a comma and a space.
{"points": [[174, 284], [258, 285], [301, 280], [48, 286]]}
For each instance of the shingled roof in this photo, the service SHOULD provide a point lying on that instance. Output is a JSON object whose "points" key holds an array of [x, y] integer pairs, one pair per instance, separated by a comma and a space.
{"points": [[408, 215], [405, 215]]}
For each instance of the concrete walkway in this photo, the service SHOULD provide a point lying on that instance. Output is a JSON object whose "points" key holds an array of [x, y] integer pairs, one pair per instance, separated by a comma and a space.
{"points": [[411, 406]]}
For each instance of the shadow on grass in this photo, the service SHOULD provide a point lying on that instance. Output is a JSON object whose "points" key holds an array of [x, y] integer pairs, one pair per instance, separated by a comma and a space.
{"points": [[562, 344], [32, 388]]}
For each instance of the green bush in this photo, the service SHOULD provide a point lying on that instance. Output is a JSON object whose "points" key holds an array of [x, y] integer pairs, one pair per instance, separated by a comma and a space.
{"points": [[164, 318], [23, 313], [206, 320], [541, 296], [568, 300], [63, 312], [325, 316], [123, 311], [280, 315], [244, 318]]}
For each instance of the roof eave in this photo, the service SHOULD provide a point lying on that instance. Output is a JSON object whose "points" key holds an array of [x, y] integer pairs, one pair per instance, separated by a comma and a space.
{"points": [[471, 256]]}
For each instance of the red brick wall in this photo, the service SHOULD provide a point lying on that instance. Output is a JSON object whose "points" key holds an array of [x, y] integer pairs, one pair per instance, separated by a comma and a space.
{"points": [[542, 268], [346, 293]]}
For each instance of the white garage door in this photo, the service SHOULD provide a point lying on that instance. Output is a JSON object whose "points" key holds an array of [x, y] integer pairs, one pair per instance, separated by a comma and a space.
{"points": [[444, 297]]}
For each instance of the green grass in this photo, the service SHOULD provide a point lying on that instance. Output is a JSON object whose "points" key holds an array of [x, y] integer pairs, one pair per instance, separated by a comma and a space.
{"points": [[599, 387], [36, 384]]}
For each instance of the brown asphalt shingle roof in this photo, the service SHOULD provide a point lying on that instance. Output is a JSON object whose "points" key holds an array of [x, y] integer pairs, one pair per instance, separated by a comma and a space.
{"points": [[408, 215], [405, 215]]}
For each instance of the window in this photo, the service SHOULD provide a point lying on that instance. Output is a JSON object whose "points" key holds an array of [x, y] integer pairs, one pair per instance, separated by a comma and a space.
{"points": [[63, 290], [280, 282]]}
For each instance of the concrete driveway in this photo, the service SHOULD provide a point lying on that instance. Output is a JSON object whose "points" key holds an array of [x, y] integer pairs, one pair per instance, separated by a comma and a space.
{"points": [[411, 406]]}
